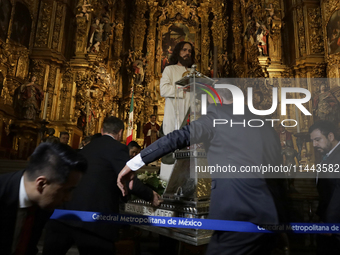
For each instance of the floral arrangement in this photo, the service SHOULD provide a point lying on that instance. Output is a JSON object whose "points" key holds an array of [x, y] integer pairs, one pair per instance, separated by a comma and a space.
{"points": [[152, 180]]}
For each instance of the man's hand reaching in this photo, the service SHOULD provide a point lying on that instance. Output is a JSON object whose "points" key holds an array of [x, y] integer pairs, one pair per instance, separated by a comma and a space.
{"points": [[125, 176], [156, 199]]}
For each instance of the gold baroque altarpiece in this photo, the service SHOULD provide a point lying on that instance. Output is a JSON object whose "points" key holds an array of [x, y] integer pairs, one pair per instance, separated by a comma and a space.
{"points": [[87, 55]]}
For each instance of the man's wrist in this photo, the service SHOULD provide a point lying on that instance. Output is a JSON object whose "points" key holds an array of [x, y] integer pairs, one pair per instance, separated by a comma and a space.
{"points": [[135, 163]]}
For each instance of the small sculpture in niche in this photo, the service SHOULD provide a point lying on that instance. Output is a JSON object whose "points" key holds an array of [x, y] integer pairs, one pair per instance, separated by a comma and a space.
{"points": [[261, 38], [250, 30], [100, 31], [271, 16], [325, 105], [51, 138], [107, 28], [138, 67], [28, 98], [84, 10]]}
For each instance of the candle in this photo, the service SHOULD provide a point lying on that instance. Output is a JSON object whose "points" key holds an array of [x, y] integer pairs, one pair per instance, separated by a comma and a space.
{"points": [[297, 119], [45, 106]]}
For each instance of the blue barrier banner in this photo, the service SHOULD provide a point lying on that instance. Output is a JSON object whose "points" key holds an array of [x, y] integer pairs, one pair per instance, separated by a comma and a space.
{"points": [[175, 222]]}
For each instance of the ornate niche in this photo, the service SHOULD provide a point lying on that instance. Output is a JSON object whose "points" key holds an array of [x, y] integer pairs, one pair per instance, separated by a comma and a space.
{"points": [[6, 7], [178, 22], [96, 94], [21, 25]]}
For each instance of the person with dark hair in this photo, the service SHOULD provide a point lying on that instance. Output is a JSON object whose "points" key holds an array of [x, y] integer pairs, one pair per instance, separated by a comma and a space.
{"points": [[234, 196], [29, 197], [64, 137], [97, 192], [324, 137], [134, 148], [150, 131], [182, 58]]}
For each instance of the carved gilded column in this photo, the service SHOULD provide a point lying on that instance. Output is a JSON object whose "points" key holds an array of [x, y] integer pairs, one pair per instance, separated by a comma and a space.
{"points": [[139, 28], [59, 24], [301, 37], [65, 95], [151, 37], [203, 13], [217, 32], [118, 44], [44, 24], [237, 27]]}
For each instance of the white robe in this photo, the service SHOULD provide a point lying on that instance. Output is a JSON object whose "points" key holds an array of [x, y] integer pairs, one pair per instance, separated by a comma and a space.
{"points": [[173, 116]]}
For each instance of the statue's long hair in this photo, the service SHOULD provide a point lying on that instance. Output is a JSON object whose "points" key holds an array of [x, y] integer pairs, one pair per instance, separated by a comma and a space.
{"points": [[173, 60]]}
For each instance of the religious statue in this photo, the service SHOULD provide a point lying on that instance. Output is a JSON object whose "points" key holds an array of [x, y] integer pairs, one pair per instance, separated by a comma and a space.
{"points": [[107, 28], [93, 35], [325, 105], [84, 10], [100, 31], [51, 138], [271, 16], [138, 72], [284, 136], [28, 99], [250, 30], [261, 38], [290, 154]]}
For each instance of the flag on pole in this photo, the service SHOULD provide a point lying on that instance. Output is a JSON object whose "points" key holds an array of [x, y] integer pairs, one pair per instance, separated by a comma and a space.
{"points": [[130, 125]]}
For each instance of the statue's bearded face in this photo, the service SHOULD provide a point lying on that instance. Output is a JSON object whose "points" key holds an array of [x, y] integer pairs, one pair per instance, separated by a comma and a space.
{"points": [[185, 55]]}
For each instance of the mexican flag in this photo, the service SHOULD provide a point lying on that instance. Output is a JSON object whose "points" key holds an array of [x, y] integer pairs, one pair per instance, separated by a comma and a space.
{"points": [[130, 127]]}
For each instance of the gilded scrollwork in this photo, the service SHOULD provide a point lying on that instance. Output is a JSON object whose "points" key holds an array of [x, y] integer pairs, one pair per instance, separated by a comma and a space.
{"points": [[43, 24], [315, 25], [57, 26], [237, 29], [330, 6], [118, 44], [5, 53], [38, 69], [81, 34], [301, 30], [203, 14], [319, 70]]}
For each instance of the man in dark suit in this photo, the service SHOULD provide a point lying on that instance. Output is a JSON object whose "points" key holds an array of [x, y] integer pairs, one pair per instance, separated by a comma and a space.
{"points": [[324, 137], [28, 197], [96, 192], [234, 196]]}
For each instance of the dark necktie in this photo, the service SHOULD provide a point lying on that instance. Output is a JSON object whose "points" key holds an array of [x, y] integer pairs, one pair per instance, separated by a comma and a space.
{"points": [[26, 231]]}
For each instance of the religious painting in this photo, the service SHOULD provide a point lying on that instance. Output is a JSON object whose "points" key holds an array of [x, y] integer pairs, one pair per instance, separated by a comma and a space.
{"points": [[22, 22], [176, 33], [5, 16], [333, 33]]}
